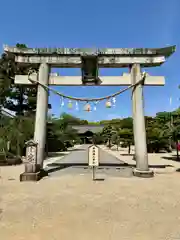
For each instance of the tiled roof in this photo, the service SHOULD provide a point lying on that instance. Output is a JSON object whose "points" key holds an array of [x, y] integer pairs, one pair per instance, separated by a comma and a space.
{"points": [[86, 128]]}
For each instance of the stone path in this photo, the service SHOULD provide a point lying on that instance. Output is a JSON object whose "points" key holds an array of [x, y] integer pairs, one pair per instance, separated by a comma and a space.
{"points": [[58, 155], [76, 162]]}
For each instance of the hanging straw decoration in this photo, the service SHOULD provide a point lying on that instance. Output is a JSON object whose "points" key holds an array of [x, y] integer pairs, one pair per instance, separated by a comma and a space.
{"points": [[95, 105], [62, 102], [108, 104], [87, 107], [95, 108], [77, 107], [114, 101], [70, 105]]}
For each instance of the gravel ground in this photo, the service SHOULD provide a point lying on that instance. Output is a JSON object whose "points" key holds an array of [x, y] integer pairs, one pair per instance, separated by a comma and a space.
{"points": [[158, 162], [75, 207]]}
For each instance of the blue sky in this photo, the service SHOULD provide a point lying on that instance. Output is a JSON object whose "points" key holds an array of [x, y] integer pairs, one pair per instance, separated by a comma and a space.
{"points": [[97, 23]]}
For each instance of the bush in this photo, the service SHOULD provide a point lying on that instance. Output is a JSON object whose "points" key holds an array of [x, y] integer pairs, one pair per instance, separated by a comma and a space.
{"points": [[157, 147], [14, 161], [124, 145], [55, 145], [2, 159], [9, 159], [68, 144]]}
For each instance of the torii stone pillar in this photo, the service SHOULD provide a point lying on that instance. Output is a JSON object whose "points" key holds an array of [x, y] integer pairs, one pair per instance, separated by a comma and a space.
{"points": [[97, 58], [141, 156], [41, 113]]}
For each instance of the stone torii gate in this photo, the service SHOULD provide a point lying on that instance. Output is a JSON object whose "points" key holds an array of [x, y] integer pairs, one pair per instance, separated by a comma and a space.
{"points": [[90, 60]]}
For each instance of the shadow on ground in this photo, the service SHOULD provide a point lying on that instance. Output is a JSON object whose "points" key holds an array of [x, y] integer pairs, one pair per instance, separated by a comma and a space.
{"points": [[172, 158], [127, 154], [115, 150], [77, 150], [60, 166], [59, 154], [150, 165], [56, 154], [1, 211], [99, 179]]}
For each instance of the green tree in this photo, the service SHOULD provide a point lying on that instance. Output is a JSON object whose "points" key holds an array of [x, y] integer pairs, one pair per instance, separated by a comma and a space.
{"points": [[173, 127], [71, 120], [98, 138], [17, 98], [62, 133], [126, 123], [157, 139], [116, 138], [16, 135], [107, 134], [126, 136]]}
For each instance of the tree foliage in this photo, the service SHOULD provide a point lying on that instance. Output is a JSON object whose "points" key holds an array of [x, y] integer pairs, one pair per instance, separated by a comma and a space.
{"points": [[17, 98], [163, 130]]}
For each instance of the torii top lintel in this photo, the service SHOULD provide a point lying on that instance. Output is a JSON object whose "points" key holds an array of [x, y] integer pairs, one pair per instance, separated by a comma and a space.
{"points": [[106, 57]]}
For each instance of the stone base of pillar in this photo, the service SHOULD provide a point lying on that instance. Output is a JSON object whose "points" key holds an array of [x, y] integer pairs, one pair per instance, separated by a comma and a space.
{"points": [[33, 176], [30, 177], [143, 174]]}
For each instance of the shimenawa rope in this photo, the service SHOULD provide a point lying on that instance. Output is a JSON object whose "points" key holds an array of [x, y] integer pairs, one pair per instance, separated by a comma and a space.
{"points": [[87, 99]]}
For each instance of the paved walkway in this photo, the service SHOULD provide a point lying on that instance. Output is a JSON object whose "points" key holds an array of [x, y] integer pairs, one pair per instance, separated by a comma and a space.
{"points": [[76, 162], [53, 157]]}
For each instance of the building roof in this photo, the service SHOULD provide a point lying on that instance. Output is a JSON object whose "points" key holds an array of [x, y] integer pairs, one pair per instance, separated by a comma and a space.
{"points": [[88, 128]]}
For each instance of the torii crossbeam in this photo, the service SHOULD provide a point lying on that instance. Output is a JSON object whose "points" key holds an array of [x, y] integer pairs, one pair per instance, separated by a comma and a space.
{"points": [[90, 60], [124, 80]]}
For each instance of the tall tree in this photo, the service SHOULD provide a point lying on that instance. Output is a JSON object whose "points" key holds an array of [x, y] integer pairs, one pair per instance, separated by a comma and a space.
{"points": [[17, 98], [71, 120], [107, 133], [126, 136]]}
